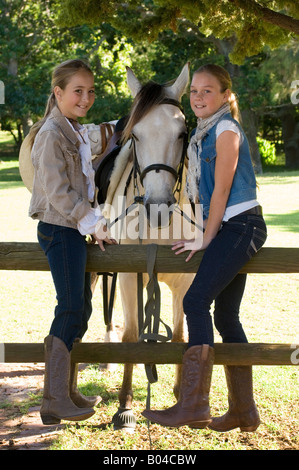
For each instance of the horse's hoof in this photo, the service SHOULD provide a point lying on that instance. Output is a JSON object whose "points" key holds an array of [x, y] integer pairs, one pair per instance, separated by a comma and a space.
{"points": [[125, 420]]}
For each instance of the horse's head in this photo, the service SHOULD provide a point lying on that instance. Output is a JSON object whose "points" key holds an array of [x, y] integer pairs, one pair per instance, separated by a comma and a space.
{"points": [[158, 131]]}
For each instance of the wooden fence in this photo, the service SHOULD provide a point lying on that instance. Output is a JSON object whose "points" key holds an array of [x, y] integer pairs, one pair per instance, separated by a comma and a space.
{"points": [[133, 258]]}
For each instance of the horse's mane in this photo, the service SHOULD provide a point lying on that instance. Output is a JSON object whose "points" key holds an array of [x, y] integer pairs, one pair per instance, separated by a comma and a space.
{"points": [[150, 95]]}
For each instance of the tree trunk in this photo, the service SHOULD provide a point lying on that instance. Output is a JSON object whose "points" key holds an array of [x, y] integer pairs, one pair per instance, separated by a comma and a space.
{"points": [[249, 122], [290, 136]]}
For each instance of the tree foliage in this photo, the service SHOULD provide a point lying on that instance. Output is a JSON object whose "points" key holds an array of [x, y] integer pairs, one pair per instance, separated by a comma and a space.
{"points": [[253, 23], [32, 44], [156, 38]]}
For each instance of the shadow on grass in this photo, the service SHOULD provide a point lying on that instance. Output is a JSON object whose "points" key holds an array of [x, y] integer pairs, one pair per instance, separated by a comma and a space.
{"points": [[10, 174], [10, 177], [110, 396], [288, 222]]}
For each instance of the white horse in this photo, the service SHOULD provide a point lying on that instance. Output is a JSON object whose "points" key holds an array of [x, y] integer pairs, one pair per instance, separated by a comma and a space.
{"points": [[156, 133]]}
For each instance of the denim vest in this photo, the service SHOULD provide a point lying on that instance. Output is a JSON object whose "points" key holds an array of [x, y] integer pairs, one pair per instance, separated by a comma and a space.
{"points": [[244, 184]]}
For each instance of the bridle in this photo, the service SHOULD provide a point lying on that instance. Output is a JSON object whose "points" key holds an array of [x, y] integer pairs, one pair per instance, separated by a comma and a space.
{"points": [[157, 167], [177, 173]]}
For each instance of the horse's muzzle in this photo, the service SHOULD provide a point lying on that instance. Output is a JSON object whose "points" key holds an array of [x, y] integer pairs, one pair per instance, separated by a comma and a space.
{"points": [[159, 214]]}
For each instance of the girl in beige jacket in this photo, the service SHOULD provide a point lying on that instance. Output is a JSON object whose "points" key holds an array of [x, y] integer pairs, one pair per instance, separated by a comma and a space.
{"points": [[62, 200]]}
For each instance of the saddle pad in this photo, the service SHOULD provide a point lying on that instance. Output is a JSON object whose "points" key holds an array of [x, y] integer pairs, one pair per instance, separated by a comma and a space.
{"points": [[103, 174]]}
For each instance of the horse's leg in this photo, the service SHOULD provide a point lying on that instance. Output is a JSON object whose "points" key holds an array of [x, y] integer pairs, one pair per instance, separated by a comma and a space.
{"points": [[178, 285], [124, 418], [177, 336], [110, 335], [93, 281]]}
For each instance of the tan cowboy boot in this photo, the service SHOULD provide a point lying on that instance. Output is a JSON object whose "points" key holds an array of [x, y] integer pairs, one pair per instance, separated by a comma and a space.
{"points": [[57, 404], [193, 408], [77, 398], [242, 412]]}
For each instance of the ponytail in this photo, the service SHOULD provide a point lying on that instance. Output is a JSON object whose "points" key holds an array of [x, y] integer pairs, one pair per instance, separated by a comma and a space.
{"points": [[36, 127], [234, 107]]}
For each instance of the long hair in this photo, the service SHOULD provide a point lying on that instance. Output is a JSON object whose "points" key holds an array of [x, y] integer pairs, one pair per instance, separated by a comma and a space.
{"points": [[60, 77], [150, 95], [225, 81]]}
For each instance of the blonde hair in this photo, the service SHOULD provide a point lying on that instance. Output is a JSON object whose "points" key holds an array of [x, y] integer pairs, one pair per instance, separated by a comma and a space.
{"points": [[60, 77], [225, 83]]}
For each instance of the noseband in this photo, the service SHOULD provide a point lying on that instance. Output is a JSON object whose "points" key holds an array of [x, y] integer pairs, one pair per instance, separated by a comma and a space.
{"points": [[161, 166]]}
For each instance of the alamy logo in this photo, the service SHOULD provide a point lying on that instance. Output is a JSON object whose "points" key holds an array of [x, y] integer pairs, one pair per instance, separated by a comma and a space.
{"points": [[2, 93], [154, 222], [295, 354], [295, 94]]}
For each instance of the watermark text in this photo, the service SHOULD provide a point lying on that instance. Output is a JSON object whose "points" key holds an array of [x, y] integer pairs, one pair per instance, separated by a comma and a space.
{"points": [[295, 354], [295, 93], [2, 92], [154, 222]]}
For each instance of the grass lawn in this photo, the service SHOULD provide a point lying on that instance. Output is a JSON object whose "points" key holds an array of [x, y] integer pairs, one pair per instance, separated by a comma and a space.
{"points": [[270, 313]]}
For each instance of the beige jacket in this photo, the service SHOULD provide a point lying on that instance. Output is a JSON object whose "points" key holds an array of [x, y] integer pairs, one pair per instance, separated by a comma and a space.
{"points": [[59, 194]]}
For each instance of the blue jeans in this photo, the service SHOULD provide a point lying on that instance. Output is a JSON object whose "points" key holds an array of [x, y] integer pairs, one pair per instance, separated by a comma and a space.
{"points": [[218, 280], [66, 251]]}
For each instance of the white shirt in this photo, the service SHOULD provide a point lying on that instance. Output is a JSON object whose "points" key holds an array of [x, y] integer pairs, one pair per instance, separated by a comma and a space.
{"points": [[87, 225]]}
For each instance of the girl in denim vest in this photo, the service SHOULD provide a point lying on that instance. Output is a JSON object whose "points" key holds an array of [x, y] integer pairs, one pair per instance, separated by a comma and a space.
{"points": [[63, 201], [222, 180]]}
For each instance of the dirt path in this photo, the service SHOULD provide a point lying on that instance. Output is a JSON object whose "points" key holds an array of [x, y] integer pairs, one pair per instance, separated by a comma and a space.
{"points": [[20, 431]]}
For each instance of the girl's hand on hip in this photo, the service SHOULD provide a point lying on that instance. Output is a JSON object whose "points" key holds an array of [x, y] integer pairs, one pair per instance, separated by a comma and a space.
{"points": [[193, 246], [187, 245]]}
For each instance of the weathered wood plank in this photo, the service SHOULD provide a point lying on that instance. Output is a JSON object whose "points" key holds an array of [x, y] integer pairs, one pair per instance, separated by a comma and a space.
{"points": [[132, 258], [156, 353]]}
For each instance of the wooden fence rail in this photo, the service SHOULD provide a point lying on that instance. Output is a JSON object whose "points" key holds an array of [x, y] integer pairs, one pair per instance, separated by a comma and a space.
{"points": [[133, 258], [156, 353]]}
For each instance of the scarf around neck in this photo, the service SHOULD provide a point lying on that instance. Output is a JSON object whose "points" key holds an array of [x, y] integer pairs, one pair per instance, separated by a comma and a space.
{"points": [[195, 149]]}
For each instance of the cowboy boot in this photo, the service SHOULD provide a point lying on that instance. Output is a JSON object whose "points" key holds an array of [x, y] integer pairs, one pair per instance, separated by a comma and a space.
{"points": [[57, 404], [77, 398], [192, 408], [242, 412]]}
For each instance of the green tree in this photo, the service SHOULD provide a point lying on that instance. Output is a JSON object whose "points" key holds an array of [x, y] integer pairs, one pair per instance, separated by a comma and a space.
{"points": [[280, 115], [241, 31], [31, 44], [253, 23]]}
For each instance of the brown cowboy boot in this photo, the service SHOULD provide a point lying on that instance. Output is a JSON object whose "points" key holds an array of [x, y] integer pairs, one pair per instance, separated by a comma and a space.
{"points": [[77, 398], [57, 404], [193, 406], [242, 412]]}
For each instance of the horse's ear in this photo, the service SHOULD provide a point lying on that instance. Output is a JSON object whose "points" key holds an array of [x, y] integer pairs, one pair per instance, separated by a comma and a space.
{"points": [[179, 86], [133, 82]]}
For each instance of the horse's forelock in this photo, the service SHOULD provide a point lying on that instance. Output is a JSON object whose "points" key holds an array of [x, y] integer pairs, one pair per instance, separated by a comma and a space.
{"points": [[150, 95]]}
